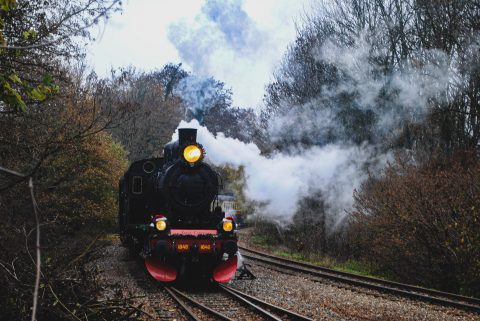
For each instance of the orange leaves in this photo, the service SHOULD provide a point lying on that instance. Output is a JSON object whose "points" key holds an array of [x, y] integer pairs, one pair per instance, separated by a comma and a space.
{"points": [[93, 168]]}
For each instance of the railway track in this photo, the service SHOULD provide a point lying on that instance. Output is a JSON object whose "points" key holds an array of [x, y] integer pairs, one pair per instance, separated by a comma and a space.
{"points": [[405, 290], [224, 303]]}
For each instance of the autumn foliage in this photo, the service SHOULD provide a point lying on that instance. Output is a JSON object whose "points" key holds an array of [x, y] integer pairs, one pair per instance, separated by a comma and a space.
{"points": [[421, 223], [76, 191], [75, 166]]}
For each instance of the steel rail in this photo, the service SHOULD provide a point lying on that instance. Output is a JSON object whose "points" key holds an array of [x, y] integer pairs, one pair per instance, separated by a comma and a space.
{"points": [[190, 313], [251, 304], [432, 296], [201, 305], [403, 286], [175, 293], [292, 314]]}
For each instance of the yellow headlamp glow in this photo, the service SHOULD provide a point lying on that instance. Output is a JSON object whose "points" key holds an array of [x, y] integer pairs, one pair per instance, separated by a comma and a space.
{"points": [[192, 153], [161, 225], [227, 226]]}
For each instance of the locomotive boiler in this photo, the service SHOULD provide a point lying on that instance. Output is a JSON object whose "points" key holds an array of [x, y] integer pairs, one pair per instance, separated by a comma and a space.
{"points": [[169, 214]]}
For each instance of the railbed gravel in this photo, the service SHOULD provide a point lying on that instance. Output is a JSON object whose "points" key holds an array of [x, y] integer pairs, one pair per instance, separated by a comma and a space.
{"points": [[121, 275], [326, 300], [323, 299]]}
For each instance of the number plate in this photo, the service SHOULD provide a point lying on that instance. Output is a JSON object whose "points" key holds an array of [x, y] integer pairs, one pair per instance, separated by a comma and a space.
{"points": [[205, 247], [183, 247]]}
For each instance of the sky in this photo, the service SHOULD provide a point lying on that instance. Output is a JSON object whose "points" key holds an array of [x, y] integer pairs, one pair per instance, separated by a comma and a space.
{"points": [[239, 42]]}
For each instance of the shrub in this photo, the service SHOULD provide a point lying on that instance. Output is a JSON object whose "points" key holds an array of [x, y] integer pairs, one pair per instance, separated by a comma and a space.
{"points": [[421, 223], [76, 191]]}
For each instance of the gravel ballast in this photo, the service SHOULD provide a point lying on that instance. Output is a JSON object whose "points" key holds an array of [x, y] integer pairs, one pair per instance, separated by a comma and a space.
{"points": [[123, 276]]}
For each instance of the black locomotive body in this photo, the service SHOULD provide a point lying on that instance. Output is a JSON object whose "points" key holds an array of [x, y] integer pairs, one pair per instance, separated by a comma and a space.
{"points": [[169, 214]]}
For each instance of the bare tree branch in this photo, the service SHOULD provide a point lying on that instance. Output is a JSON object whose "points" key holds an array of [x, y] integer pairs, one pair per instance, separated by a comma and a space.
{"points": [[37, 242], [47, 43]]}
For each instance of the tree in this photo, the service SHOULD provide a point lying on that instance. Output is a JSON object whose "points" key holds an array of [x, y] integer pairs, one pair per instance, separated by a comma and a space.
{"points": [[415, 60], [36, 37], [50, 129], [153, 104], [149, 115], [306, 89], [235, 122], [75, 185], [402, 76]]}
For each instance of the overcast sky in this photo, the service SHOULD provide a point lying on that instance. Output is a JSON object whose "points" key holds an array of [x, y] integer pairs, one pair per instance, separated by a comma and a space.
{"points": [[238, 42]]}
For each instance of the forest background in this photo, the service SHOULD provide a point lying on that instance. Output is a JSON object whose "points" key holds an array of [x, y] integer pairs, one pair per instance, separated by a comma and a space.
{"points": [[406, 87]]}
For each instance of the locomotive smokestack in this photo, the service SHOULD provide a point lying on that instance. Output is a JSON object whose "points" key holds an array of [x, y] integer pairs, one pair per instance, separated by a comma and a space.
{"points": [[187, 136]]}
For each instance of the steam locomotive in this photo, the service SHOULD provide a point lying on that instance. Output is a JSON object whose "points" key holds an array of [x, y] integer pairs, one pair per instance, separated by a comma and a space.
{"points": [[170, 215]]}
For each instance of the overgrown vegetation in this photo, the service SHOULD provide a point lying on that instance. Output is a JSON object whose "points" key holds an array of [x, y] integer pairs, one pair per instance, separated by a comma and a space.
{"points": [[420, 222], [52, 130], [402, 77], [72, 133], [152, 108]]}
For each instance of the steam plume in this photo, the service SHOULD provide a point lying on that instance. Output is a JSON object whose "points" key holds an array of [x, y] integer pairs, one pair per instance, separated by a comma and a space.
{"points": [[223, 40], [281, 180], [333, 167]]}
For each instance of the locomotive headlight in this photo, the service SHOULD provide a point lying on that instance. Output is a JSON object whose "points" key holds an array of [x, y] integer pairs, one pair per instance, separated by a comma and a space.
{"points": [[227, 226], [192, 153], [160, 222], [161, 225]]}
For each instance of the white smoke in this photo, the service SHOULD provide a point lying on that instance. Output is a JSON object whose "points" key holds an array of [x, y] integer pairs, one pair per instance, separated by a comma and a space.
{"points": [[282, 180], [408, 87], [238, 42], [317, 124], [337, 168]]}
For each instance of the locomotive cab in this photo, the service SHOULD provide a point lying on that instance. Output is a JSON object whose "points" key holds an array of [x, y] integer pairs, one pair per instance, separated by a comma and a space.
{"points": [[166, 215]]}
